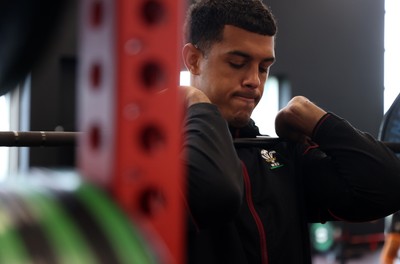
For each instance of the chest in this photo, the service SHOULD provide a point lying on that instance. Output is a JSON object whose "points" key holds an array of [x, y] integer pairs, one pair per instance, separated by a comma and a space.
{"points": [[272, 175]]}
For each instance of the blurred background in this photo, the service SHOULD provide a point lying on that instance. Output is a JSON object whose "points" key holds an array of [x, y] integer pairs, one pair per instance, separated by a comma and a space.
{"points": [[344, 55]]}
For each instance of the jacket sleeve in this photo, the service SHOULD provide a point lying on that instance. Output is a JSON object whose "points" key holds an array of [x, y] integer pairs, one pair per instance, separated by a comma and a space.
{"points": [[350, 175], [214, 174]]}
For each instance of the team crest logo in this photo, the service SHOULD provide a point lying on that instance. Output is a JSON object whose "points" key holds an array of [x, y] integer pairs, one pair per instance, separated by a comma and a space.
{"points": [[269, 157]]}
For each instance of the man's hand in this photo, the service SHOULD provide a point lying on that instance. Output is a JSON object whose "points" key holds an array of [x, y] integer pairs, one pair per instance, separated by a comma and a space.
{"points": [[297, 120], [192, 95]]}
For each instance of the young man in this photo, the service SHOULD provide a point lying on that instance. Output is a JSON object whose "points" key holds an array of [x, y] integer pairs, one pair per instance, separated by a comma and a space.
{"points": [[253, 204]]}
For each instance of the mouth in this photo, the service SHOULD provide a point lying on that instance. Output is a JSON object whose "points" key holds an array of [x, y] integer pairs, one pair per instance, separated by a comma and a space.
{"points": [[249, 98]]}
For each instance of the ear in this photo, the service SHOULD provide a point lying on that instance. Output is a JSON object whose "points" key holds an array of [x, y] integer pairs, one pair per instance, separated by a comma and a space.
{"points": [[191, 57]]}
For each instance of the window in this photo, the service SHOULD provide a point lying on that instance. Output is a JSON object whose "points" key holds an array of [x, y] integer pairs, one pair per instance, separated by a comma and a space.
{"points": [[185, 78], [4, 126], [392, 52], [266, 110]]}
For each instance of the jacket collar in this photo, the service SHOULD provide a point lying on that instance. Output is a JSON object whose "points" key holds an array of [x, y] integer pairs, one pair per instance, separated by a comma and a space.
{"points": [[249, 131]]}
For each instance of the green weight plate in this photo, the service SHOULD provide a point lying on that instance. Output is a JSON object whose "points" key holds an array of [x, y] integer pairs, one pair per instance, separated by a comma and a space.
{"points": [[122, 234], [66, 239], [12, 249], [322, 236]]}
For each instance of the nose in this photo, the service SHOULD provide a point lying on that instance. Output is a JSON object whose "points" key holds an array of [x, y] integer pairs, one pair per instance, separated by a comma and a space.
{"points": [[252, 78]]}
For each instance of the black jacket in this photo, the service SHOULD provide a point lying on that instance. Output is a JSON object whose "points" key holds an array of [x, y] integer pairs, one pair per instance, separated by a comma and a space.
{"points": [[253, 204]]}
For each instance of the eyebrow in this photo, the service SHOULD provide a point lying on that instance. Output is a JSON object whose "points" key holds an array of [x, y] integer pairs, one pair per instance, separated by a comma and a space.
{"points": [[247, 56]]}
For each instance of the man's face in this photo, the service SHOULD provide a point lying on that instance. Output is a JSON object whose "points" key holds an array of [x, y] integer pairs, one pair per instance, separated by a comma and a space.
{"points": [[233, 73]]}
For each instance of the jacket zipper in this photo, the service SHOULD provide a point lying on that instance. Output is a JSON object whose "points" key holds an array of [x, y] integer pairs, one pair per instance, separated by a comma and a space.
{"points": [[256, 217]]}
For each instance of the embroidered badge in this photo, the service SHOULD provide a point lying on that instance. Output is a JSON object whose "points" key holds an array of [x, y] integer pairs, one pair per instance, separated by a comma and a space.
{"points": [[269, 157]]}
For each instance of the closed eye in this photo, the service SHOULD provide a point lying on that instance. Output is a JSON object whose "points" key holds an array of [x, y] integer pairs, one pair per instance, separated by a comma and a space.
{"points": [[264, 69], [236, 65]]}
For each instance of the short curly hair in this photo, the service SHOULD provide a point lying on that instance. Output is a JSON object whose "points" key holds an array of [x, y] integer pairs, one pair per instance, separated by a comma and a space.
{"points": [[206, 19]]}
